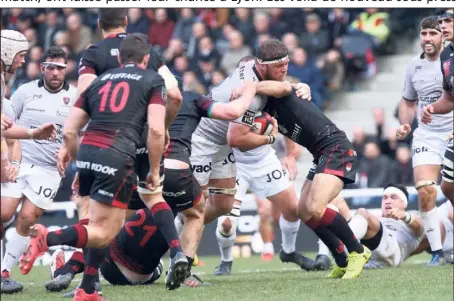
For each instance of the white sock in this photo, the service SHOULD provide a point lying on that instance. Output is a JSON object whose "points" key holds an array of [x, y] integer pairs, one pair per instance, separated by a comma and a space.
{"points": [[226, 245], [358, 225], [14, 249], [289, 233], [431, 225], [268, 248], [322, 248], [179, 224]]}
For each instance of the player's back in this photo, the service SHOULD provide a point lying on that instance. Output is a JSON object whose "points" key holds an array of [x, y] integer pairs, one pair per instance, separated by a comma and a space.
{"points": [[102, 56], [117, 103], [447, 62]]}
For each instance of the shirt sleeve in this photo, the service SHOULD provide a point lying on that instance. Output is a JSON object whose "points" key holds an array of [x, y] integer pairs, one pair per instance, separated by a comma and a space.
{"points": [[445, 84], [158, 93], [409, 92], [90, 63], [82, 102], [18, 100], [204, 106]]}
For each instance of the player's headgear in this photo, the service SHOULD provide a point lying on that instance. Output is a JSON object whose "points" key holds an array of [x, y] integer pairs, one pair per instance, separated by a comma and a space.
{"points": [[430, 22], [12, 42], [445, 13], [399, 190], [272, 51]]}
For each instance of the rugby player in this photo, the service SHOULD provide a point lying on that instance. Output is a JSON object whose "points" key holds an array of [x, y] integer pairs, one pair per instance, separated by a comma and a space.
{"points": [[334, 165], [181, 191], [106, 158], [102, 57], [446, 101], [423, 83], [47, 100]]}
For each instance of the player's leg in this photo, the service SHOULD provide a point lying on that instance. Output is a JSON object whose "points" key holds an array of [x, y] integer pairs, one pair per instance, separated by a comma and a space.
{"points": [[266, 227]]}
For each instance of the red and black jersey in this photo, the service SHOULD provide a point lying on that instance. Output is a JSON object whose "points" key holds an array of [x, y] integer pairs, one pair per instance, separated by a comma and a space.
{"points": [[102, 56], [117, 103], [447, 65]]}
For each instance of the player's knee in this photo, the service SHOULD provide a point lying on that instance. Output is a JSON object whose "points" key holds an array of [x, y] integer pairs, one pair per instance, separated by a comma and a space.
{"points": [[82, 205], [315, 210], [7, 213], [226, 225], [427, 194], [24, 221], [363, 212]]}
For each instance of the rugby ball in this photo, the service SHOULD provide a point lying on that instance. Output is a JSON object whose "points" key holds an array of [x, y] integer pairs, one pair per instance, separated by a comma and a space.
{"points": [[262, 124]]}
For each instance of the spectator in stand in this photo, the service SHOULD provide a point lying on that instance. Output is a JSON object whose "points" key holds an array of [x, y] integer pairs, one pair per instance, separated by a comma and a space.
{"points": [[191, 83], [80, 36], [222, 42], [47, 30], [261, 26], [388, 141], [137, 22], [278, 25], [206, 49], [207, 66], [199, 31], [31, 36], [358, 141], [24, 23], [315, 40], [218, 76], [374, 24], [291, 41], [180, 66], [402, 169], [161, 30], [32, 72], [35, 54], [242, 21], [306, 71], [183, 29], [237, 51], [339, 21], [375, 166], [333, 70], [62, 39], [175, 49]]}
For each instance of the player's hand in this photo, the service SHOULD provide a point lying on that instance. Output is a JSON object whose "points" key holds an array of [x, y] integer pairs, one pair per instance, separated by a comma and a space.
{"points": [[397, 214], [13, 172], [6, 122], [403, 131], [63, 158], [45, 131], [153, 180], [302, 91], [289, 163], [75, 184], [275, 127], [426, 114]]}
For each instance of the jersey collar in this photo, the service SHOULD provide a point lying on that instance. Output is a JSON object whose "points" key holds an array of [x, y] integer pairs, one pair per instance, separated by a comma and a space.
{"points": [[256, 73], [66, 86], [115, 35]]}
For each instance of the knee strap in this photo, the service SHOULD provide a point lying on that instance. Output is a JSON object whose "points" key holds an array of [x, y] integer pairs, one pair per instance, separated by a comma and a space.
{"points": [[225, 191], [424, 183]]}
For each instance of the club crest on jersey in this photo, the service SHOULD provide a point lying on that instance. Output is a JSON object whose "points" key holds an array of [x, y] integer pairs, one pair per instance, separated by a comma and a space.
{"points": [[351, 153], [348, 166], [66, 100]]}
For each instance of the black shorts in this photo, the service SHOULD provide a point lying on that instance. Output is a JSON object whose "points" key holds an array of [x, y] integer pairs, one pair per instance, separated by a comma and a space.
{"points": [[113, 275], [105, 175], [339, 160], [178, 151]]}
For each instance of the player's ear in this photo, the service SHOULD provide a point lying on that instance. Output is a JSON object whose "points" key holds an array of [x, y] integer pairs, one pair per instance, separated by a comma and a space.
{"points": [[42, 68], [146, 60]]}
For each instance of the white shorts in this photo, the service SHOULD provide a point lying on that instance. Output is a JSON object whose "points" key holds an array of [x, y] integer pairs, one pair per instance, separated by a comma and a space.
{"points": [[428, 148], [211, 161], [388, 252], [264, 182], [38, 184]]}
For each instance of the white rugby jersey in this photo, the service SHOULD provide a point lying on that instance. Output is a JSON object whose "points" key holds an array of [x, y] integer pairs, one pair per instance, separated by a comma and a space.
{"points": [[423, 82], [34, 106], [8, 109]]}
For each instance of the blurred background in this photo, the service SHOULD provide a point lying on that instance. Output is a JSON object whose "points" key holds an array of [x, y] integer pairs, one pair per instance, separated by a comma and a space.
{"points": [[354, 60]]}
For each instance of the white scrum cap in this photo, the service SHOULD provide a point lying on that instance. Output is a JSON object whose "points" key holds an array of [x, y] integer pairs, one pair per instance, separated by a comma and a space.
{"points": [[12, 43]]}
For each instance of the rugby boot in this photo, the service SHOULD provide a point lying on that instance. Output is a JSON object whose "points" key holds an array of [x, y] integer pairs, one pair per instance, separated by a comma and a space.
{"points": [[322, 263], [176, 271], [57, 262], [157, 272], [295, 257], [36, 248], [267, 257], [81, 295], [9, 286], [337, 272], [437, 259], [223, 269], [356, 262], [194, 281], [72, 294], [59, 283]]}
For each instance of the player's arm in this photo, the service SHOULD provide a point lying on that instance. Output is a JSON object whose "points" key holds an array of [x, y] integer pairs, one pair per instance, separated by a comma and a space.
{"points": [[87, 69], [240, 136], [174, 95], [274, 88], [156, 115], [75, 121], [406, 110], [292, 153], [444, 104], [16, 158], [413, 222], [407, 104]]}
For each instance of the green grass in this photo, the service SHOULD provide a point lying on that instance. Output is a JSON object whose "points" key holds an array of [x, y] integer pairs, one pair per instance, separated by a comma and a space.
{"points": [[254, 280]]}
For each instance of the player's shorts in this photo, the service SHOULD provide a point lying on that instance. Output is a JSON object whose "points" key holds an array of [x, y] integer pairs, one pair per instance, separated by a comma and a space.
{"points": [[105, 175], [448, 162], [142, 169], [273, 180], [211, 161], [113, 275], [387, 253], [339, 160], [428, 148], [38, 184], [180, 190]]}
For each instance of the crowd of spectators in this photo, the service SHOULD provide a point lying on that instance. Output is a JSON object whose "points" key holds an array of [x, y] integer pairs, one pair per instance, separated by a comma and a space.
{"points": [[328, 47]]}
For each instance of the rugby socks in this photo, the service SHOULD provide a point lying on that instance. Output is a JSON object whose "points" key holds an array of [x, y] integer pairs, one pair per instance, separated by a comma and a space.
{"points": [[73, 236], [94, 259], [226, 239], [431, 225], [164, 220], [179, 224], [331, 241], [5, 226], [14, 249], [268, 248], [73, 266], [322, 248], [289, 233], [338, 225], [358, 224]]}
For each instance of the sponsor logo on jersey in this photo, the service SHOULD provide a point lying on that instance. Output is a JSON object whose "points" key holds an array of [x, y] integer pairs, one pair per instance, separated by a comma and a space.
{"points": [[174, 194], [37, 96], [248, 117], [418, 150], [96, 167], [348, 166], [202, 168], [296, 132], [114, 52]]}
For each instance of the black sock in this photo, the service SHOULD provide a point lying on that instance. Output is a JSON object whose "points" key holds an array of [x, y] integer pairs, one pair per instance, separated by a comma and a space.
{"points": [[438, 252], [164, 220], [94, 260], [73, 266], [335, 246], [338, 225], [74, 236]]}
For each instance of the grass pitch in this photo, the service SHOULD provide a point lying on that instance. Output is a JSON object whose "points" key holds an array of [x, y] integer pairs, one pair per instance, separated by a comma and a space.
{"points": [[254, 280]]}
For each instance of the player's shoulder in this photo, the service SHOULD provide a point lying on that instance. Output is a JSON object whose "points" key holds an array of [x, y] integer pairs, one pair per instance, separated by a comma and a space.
{"points": [[31, 86], [447, 52], [155, 60], [71, 89]]}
